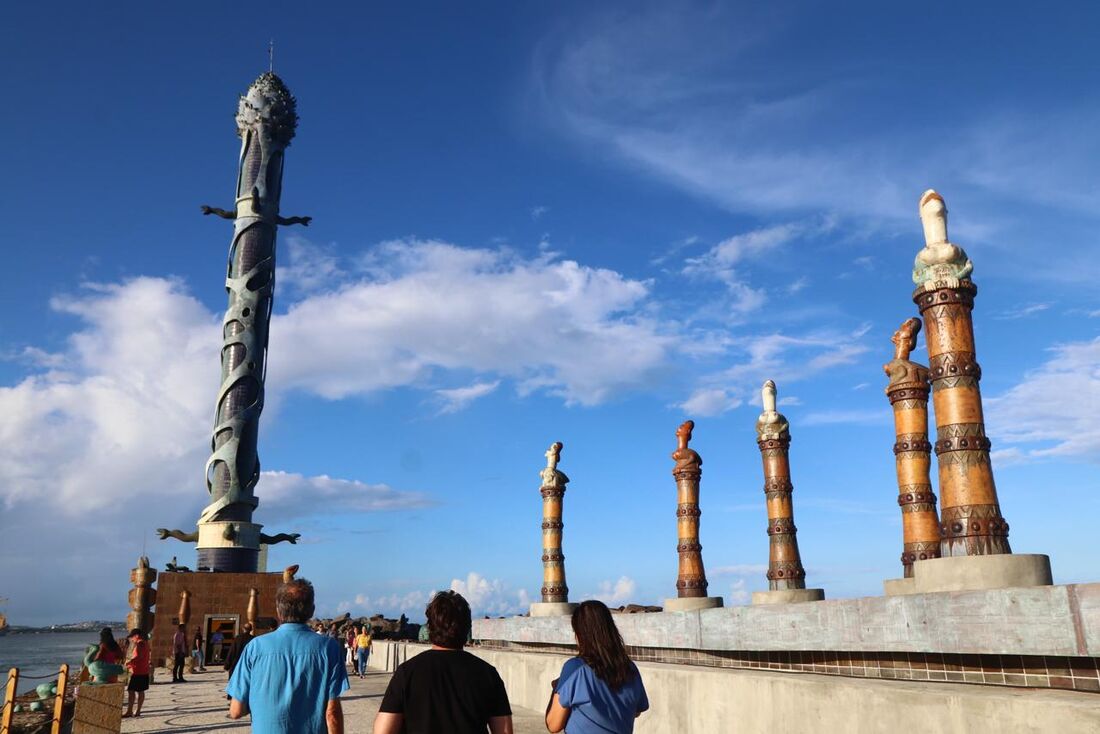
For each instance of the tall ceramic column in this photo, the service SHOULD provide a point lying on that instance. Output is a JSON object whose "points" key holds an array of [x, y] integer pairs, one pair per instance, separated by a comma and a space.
{"points": [[142, 597], [974, 548], [555, 593], [908, 394], [786, 576], [691, 581], [970, 519]]}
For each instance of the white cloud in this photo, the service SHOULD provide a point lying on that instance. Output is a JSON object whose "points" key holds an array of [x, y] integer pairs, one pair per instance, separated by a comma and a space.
{"points": [[286, 495], [739, 593], [411, 604], [130, 414], [1052, 411], [709, 402], [491, 597], [615, 594], [457, 398], [553, 325], [537, 212]]}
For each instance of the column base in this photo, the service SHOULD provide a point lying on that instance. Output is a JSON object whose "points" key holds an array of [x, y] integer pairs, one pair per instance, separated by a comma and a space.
{"points": [[552, 608], [899, 587], [972, 573], [691, 603], [787, 596]]}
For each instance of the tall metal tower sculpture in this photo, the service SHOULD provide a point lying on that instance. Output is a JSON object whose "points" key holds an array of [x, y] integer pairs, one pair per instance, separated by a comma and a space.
{"points": [[227, 538]]}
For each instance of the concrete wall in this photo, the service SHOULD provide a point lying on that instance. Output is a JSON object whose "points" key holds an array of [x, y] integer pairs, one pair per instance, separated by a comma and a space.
{"points": [[696, 700], [1045, 620]]}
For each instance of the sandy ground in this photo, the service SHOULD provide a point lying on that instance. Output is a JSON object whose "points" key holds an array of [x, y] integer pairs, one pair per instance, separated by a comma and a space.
{"points": [[199, 706]]}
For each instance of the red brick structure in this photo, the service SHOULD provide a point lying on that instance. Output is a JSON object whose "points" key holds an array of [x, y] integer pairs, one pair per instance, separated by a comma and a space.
{"points": [[221, 595]]}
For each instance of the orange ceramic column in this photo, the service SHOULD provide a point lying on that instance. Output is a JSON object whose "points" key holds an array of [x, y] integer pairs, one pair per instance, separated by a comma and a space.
{"points": [[691, 581], [555, 593], [786, 576], [908, 394], [970, 519]]}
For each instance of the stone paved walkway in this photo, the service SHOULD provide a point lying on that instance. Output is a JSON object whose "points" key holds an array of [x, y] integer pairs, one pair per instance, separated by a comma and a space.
{"points": [[199, 705]]}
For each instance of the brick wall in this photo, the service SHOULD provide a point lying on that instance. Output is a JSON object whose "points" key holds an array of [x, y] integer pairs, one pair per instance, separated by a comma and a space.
{"points": [[211, 593]]}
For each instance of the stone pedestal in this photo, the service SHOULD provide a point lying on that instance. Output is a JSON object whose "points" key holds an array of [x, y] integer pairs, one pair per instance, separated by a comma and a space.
{"points": [[692, 603], [552, 609], [972, 573], [787, 596]]}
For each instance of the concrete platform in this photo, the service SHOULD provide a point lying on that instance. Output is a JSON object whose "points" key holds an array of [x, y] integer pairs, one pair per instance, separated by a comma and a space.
{"points": [[199, 705], [899, 587]]}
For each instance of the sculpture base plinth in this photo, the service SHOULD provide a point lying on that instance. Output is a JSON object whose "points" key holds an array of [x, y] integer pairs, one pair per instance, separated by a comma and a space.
{"points": [[787, 596], [973, 573], [899, 587], [552, 608], [692, 603]]}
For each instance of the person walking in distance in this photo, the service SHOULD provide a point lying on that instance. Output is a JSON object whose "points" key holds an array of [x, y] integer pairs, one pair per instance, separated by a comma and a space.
{"points": [[137, 663], [362, 650], [179, 651], [198, 651], [600, 690], [349, 644], [290, 680], [445, 689]]}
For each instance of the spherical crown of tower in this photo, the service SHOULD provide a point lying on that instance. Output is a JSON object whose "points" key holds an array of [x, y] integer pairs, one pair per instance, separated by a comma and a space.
{"points": [[269, 107]]}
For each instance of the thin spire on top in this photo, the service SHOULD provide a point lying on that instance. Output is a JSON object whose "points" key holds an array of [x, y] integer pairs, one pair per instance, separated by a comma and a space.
{"points": [[271, 55]]}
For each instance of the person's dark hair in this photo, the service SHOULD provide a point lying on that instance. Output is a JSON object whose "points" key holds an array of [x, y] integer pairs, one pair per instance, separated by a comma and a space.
{"points": [[448, 620], [600, 645], [108, 639], [294, 601], [135, 632]]}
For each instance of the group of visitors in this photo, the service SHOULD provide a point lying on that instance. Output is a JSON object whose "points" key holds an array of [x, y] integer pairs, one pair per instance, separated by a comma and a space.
{"points": [[135, 658], [291, 680], [355, 642]]}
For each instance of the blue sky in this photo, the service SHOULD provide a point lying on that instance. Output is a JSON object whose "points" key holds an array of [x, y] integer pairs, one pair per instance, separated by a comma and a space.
{"points": [[536, 222]]}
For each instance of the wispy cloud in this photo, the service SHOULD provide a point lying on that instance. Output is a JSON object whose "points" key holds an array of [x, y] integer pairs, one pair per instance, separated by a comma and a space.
{"points": [[1023, 312], [709, 402], [847, 417], [457, 398], [1052, 411]]}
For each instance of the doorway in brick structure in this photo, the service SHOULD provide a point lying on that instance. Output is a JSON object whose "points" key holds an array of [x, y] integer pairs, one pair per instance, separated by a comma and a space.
{"points": [[221, 629]]}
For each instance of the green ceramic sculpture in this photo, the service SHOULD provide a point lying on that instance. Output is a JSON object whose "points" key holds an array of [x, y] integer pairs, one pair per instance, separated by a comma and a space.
{"points": [[100, 671]]}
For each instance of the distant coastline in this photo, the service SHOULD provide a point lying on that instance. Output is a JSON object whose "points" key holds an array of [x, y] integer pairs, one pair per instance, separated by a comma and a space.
{"points": [[90, 626]]}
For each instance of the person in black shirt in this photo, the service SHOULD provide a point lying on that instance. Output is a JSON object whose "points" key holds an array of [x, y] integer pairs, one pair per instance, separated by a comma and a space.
{"points": [[445, 690]]}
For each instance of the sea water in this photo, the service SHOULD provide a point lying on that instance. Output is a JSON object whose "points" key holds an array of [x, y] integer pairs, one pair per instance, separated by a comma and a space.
{"points": [[42, 653]]}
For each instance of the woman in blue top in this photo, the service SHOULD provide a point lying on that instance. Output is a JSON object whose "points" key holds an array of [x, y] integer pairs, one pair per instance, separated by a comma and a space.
{"points": [[600, 691]]}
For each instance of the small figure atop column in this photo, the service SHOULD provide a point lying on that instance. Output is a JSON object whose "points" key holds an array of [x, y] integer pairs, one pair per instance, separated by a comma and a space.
{"points": [[691, 583], [555, 594], [786, 576]]}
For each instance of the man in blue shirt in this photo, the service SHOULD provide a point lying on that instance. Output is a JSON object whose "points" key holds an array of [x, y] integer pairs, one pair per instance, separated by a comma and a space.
{"points": [[290, 680]]}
